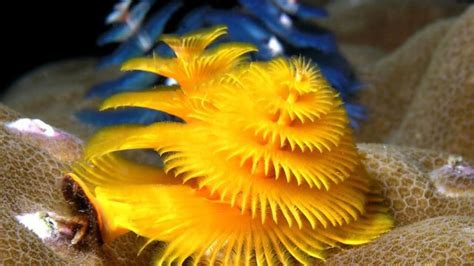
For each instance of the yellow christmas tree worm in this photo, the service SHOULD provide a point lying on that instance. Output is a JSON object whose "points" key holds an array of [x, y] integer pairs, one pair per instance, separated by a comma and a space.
{"points": [[263, 171]]}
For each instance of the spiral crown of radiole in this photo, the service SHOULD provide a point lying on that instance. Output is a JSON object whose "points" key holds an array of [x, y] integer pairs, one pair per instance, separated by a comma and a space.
{"points": [[262, 170]]}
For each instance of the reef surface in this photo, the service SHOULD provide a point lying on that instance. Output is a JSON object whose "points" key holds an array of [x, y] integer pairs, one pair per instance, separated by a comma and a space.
{"points": [[418, 71]]}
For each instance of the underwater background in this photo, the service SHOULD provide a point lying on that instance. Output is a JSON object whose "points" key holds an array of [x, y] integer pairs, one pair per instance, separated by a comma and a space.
{"points": [[47, 31], [414, 61]]}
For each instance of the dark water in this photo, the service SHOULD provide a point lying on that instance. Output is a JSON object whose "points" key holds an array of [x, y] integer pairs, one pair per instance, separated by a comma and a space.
{"points": [[38, 32]]}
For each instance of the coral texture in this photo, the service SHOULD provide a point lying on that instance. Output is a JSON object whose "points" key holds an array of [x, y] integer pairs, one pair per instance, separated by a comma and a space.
{"points": [[384, 24], [20, 245], [383, 83], [409, 179], [31, 177], [450, 87], [431, 107], [443, 240]]}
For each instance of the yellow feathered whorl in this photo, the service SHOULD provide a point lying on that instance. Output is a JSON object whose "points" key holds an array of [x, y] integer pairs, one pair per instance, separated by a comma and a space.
{"points": [[264, 169]]}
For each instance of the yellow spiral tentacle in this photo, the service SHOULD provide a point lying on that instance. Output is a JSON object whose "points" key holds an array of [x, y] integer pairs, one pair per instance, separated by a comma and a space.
{"points": [[264, 169]]}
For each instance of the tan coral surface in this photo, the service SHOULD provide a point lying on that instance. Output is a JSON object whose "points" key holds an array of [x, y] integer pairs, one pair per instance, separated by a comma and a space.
{"points": [[417, 63], [403, 174], [31, 177], [445, 240], [422, 95], [443, 105], [384, 24], [383, 83]]}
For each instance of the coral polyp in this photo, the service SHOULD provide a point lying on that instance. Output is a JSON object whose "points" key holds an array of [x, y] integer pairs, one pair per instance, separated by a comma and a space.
{"points": [[264, 169]]}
